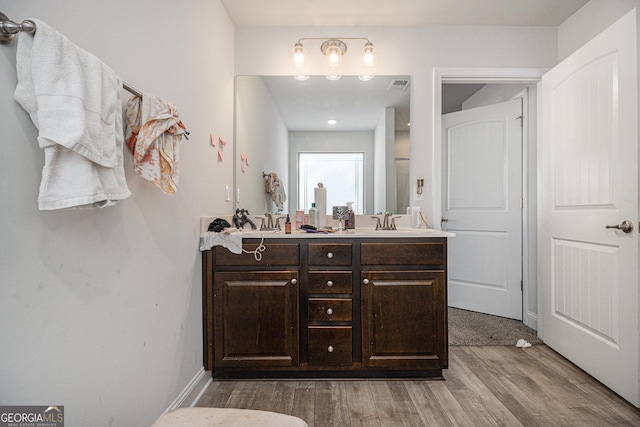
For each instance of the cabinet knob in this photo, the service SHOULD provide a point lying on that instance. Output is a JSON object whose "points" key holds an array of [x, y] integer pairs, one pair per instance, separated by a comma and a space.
{"points": [[329, 311], [329, 283], [330, 255], [294, 281], [330, 349], [365, 281]]}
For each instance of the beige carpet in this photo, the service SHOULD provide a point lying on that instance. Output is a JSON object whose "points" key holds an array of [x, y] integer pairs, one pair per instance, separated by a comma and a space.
{"points": [[471, 328]]}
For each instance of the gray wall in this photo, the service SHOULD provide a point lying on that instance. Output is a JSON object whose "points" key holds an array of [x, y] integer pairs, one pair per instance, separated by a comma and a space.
{"points": [[100, 310]]}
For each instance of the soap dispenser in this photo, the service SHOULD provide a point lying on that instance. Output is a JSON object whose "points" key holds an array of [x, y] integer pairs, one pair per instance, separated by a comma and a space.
{"points": [[350, 222], [313, 215]]}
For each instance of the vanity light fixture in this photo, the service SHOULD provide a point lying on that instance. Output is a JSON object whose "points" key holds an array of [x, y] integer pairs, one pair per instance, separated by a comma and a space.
{"points": [[334, 49]]}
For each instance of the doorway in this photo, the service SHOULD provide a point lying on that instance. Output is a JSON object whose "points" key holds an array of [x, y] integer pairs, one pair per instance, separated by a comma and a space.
{"points": [[482, 205], [502, 79]]}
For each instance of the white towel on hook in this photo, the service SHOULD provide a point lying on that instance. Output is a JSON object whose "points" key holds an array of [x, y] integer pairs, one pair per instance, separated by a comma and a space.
{"points": [[74, 100]]}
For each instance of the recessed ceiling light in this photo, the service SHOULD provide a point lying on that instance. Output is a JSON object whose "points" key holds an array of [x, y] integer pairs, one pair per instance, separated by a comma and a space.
{"points": [[332, 121], [301, 77]]}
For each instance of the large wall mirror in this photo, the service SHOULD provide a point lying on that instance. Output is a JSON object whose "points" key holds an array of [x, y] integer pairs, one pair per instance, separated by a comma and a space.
{"points": [[284, 128]]}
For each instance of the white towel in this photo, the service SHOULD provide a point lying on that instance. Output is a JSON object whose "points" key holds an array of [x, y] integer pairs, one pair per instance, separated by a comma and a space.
{"points": [[228, 238], [74, 100]]}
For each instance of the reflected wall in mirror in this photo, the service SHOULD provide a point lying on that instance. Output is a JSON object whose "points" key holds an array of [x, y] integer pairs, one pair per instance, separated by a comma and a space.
{"points": [[278, 118]]}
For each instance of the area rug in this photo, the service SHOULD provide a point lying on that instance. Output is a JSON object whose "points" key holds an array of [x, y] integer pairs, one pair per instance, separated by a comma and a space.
{"points": [[471, 328]]}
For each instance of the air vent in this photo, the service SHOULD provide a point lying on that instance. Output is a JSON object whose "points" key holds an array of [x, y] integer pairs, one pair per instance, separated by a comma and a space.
{"points": [[398, 84]]}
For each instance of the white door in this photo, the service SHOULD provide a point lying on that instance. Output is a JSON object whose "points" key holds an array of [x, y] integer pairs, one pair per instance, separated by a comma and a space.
{"points": [[588, 157], [482, 205]]}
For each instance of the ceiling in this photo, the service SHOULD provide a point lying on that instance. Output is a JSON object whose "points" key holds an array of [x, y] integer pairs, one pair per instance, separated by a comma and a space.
{"points": [[299, 108], [400, 12], [356, 105]]}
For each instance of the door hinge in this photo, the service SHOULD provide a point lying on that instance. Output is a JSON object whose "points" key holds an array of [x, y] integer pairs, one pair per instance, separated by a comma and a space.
{"points": [[521, 203], [521, 285]]}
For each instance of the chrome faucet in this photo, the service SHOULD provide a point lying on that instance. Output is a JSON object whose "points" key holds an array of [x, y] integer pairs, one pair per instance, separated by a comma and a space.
{"points": [[386, 224], [385, 221], [378, 226], [269, 224]]}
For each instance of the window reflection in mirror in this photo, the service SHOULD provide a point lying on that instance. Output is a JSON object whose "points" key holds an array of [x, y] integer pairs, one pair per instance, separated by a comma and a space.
{"points": [[278, 117]]}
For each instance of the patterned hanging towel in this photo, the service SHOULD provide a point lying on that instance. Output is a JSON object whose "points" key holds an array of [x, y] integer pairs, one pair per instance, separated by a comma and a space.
{"points": [[153, 132]]}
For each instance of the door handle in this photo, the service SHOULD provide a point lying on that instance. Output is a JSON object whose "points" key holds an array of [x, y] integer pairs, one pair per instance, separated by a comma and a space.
{"points": [[626, 226], [443, 219]]}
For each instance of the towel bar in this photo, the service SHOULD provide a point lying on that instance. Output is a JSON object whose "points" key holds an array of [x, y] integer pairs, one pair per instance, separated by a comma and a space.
{"points": [[9, 29]]}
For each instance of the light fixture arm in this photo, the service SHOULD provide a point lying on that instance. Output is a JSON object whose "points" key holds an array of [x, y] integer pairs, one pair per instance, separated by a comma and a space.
{"points": [[334, 38]]}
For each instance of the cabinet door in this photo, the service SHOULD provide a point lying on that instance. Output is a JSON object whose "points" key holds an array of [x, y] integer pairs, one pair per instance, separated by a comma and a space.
{"points": [[404, 319], [256, 315]]}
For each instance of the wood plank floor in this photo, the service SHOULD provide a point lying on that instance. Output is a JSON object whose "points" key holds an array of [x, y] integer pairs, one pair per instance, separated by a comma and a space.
{"points": [[484, 386]]}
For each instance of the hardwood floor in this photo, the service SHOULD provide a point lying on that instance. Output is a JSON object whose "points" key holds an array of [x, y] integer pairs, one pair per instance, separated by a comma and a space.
{"points": [[484, 386]]}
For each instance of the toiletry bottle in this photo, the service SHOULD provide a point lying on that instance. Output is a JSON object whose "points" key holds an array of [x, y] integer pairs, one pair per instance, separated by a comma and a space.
{"points": [[350, 222], [299, 218], [320, 197], [287, 225], [313, 215]]}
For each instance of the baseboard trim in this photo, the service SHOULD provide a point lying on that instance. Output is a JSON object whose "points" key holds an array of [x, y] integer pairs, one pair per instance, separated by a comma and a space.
{"points": [[192, 392], [531, 320]]}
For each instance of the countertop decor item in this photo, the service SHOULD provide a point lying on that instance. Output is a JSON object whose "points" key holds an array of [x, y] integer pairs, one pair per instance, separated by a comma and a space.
{"points": [[340, 213]]}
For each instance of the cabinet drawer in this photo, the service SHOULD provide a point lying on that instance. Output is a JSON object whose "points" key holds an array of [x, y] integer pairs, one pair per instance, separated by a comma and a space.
{"points": [[329, 309], [330, 282], [329, 254], [275, 254], [330, 346], [403, 253]]}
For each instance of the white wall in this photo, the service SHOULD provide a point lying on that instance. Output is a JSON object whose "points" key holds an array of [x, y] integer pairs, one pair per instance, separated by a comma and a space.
{"points": [[379, 161], [589, 21], [264, 138], [413, 51], [402, 152], [390, 160], [100, 310]]}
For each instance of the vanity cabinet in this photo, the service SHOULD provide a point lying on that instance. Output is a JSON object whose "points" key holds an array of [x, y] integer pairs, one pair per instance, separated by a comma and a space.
{"points": [[257, 317], [403, 315], [327, 306]]}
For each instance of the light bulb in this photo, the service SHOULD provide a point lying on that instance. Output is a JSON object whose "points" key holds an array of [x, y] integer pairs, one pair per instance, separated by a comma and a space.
{"points": [[298, 55], [333, 56], [368, 55]]}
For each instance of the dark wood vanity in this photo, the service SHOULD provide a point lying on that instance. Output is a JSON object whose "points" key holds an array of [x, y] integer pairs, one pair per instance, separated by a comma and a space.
{"points": [[327, 307]]}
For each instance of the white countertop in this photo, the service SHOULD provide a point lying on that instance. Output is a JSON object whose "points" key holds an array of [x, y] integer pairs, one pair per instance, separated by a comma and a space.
{"points": [[358, 232]]}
